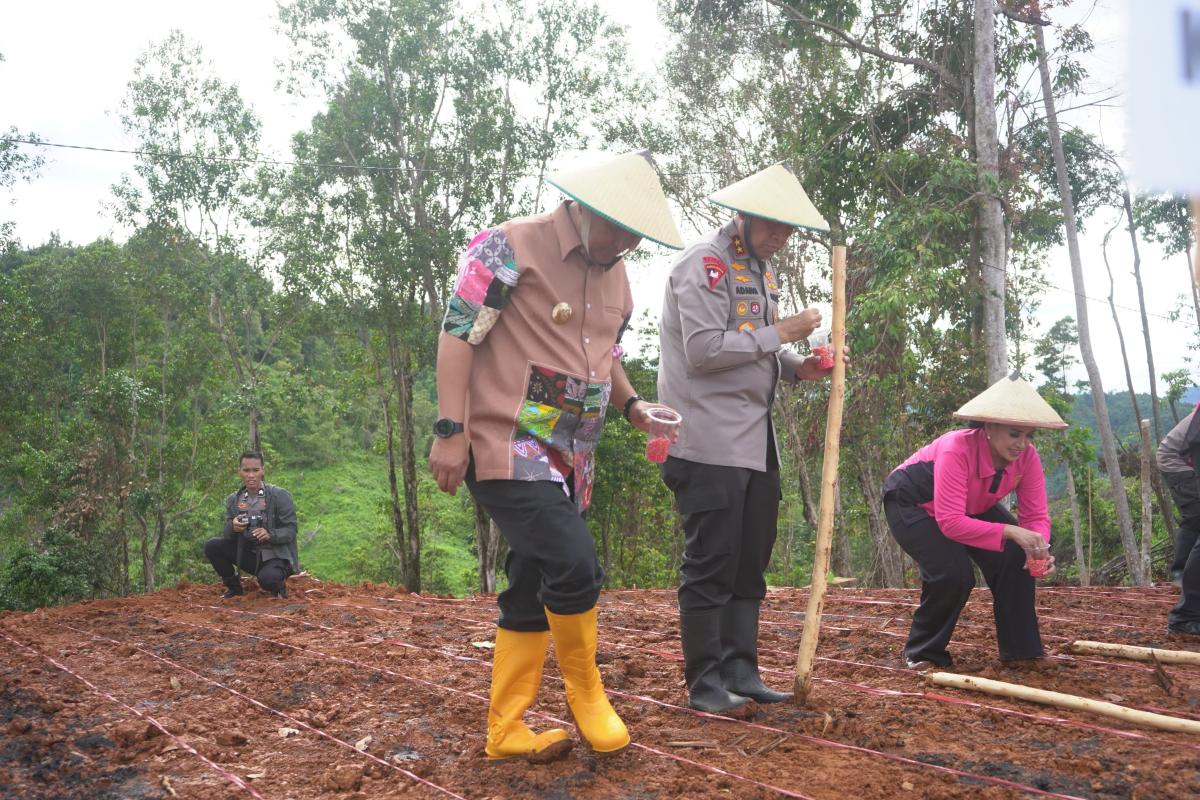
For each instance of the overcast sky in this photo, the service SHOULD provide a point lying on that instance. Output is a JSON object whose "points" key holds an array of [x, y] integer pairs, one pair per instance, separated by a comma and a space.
{"points": [[67, 64]]}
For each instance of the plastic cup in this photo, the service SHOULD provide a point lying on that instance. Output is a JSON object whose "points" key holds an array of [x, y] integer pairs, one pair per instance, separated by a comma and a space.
{"points": [[1037, 566], [663, 424], [822, 347]]}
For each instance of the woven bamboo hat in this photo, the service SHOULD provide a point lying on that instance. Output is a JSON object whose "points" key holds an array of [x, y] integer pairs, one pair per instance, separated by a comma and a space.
{"points": [[1011, 400], [625, 190], [774, 193]]}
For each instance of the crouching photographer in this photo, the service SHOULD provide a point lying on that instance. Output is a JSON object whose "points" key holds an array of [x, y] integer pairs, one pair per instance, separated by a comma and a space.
{"points": [[260, 533]]}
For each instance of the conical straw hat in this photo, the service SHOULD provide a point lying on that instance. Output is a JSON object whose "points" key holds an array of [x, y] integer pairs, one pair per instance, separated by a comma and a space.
{"points": [[774, 193], [624, 190], [1011, 400]]}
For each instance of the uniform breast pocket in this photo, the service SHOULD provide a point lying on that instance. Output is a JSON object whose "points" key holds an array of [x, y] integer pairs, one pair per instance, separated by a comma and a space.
{"points": [[746, 311]]}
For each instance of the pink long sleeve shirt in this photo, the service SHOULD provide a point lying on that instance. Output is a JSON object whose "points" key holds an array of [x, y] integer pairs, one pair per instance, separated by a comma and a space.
{"points": [[953, 478]]}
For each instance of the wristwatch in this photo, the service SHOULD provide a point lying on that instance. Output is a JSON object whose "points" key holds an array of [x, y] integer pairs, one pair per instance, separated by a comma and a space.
{"points": [[629, 405], [445, 427]]}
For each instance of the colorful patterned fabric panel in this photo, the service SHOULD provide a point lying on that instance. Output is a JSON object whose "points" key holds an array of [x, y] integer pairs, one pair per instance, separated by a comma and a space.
{"points": [[557, 429], [487, 273]]}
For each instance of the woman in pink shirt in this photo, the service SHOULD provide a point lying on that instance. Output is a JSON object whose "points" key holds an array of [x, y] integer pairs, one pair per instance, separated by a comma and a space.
{"points": [[943, 506]]}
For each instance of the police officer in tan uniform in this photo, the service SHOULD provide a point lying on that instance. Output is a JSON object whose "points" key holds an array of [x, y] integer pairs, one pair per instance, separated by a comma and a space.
{"points": [[723, 352]]}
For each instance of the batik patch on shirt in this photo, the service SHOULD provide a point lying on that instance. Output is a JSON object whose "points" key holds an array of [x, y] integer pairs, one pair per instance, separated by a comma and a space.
{"points": [[487, 273], [714, 270], [557, 429]]}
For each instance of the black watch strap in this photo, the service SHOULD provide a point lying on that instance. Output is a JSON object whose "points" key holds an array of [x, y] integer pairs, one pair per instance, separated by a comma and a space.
{"points": [[628, 405], [445, 427]]}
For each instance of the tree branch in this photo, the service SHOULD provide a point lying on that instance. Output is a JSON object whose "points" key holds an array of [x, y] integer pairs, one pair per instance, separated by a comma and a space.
{"points": [[862, 47], [1018, 16]]}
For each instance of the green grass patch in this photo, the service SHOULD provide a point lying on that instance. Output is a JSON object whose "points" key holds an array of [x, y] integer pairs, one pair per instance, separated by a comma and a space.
{"points": [[345, 530]]}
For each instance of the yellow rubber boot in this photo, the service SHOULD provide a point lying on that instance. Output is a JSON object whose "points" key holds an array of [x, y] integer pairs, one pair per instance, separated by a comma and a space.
{"points": [[516, 675], [575, 646]]}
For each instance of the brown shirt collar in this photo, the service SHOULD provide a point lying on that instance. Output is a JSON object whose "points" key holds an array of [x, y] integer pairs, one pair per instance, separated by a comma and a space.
{"points": [[565, 230]]}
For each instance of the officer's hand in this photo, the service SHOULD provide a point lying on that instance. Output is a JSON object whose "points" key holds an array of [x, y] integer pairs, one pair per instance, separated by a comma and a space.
{"points": [[239, 523], [639, 417], [810, 371], [261, 534], [448, 461], [798, 326]]}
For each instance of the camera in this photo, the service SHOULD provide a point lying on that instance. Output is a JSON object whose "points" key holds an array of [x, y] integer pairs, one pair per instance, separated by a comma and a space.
{"points": [[253, 523]]}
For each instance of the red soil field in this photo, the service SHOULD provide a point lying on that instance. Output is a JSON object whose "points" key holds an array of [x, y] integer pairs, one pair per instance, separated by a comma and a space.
{"points": [[368, 692]]}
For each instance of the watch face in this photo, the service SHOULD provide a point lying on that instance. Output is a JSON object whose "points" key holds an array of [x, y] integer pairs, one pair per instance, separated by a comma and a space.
{"points": [[445, 427]]}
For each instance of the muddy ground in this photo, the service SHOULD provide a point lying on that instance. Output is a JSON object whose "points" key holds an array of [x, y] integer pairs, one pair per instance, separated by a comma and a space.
{"points": [[368, 692]]}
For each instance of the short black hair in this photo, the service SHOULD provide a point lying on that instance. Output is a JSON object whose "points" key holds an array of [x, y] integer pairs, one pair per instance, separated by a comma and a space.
{"points": [[251, 454], [975, 424]]}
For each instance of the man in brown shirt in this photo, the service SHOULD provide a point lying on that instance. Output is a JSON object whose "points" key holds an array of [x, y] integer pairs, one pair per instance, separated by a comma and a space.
{"points": [[528, 361]]}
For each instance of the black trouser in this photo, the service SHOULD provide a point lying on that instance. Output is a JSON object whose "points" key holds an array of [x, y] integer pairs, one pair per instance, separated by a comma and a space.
{"points": [[947, 580], [730, 517], [1185, 489], [222, 552], [551, 560]]}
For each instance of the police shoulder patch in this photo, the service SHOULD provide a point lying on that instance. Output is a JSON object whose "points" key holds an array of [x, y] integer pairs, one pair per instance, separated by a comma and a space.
{"points": [[714, 270]]}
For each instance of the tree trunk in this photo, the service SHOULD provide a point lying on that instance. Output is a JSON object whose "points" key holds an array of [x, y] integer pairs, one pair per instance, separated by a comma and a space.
{"points": [[1187, 252], [1166, 507], [1112, 306], [401, 360], [992, 253], [1137, 276], [394, 507], [1107, 441], [891, 563], [487, 543], [1085, 578]]}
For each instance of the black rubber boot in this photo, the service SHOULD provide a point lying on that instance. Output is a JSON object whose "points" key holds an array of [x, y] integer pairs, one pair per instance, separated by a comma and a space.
{"points": [[739, 652], [701, 634], [233, 587]]}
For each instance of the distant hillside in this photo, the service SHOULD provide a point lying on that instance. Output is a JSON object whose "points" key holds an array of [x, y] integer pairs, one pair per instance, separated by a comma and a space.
{"points": [[1120, 412]]}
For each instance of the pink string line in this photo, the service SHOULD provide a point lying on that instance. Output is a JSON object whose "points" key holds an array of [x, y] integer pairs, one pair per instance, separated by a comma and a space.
{"points": [[881, 632], [862, 687], [236, 780], [812, 739], [265, 707], [439, 687]]}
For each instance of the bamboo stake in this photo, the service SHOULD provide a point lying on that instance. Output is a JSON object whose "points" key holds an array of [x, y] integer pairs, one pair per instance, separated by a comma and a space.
{"points": [[1060, 700], [829, 468], [1085, 648]]}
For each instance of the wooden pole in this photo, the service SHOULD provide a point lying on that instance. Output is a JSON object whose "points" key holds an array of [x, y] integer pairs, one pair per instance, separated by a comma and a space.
{"points": [[1148, 466], [1086, 648], [829, 470], [1060, 700]]}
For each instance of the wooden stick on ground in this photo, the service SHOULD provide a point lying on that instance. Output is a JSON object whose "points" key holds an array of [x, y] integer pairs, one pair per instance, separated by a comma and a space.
{"points": [[829, 467], [1060, 700], [1086, 648]]}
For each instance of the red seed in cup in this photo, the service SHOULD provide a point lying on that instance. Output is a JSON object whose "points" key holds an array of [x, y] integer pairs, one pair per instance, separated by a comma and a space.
{"points": [[657, 449]]}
